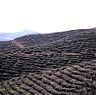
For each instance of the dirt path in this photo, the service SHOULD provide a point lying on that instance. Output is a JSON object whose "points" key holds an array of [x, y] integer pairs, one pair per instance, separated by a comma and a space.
{"points": [[18, 44]]}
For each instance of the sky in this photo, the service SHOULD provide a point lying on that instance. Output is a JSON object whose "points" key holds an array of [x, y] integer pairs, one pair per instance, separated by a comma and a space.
{"points": [[46, 16]]}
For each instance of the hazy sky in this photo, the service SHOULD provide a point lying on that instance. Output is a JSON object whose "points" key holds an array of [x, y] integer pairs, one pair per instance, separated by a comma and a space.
{"points": [[46, 15]]}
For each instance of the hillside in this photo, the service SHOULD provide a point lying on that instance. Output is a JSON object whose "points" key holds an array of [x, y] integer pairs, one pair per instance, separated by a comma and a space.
{"points": [[45, 39], [59, 49], [75, 79], [41, 39], [62, 63]]}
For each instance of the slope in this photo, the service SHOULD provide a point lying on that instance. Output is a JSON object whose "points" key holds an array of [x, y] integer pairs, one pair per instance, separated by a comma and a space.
{"points": [[75, 79], [76, 46], [41, 39]]}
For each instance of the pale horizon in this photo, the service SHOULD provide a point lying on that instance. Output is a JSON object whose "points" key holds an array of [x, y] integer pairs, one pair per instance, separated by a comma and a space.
{"points": [[46, 16]]}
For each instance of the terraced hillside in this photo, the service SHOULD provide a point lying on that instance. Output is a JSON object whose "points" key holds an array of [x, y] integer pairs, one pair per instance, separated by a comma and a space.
{"points": [[43, 39], [7, 47], [57, 50], [73, 79]]}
